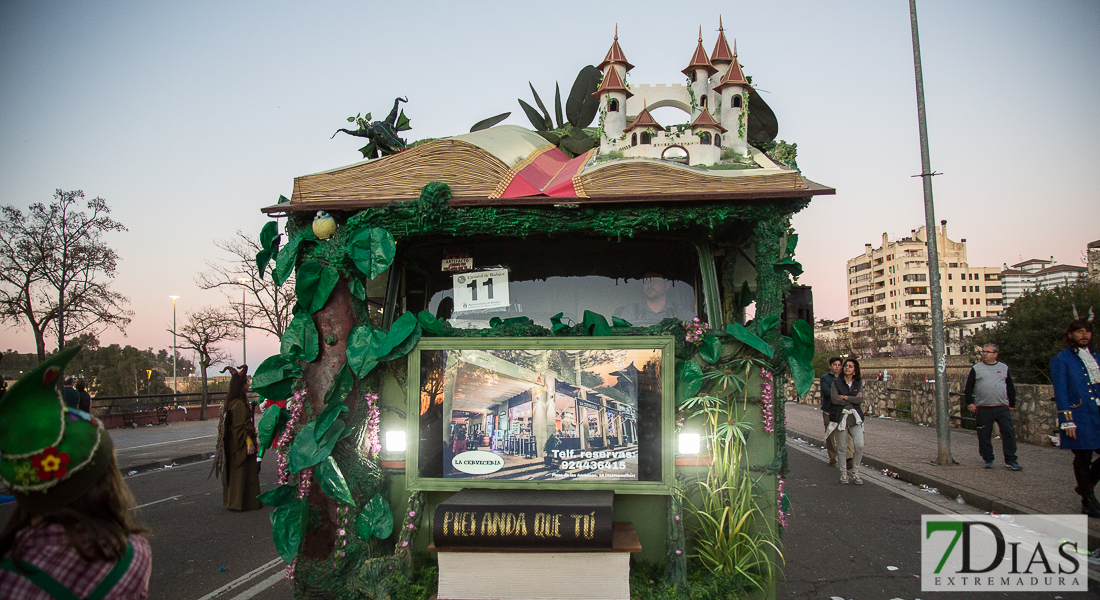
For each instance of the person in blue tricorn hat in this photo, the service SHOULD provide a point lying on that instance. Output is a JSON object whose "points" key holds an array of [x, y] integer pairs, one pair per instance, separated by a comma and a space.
{"points": [[72, 534], [1075, 374]]}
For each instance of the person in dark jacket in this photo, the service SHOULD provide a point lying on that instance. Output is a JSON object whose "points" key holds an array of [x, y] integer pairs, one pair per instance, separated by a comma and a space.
{"points": [[85, 397], [827, 405], [846, 418], [990, 394], [70, 396], [1076, 377]]}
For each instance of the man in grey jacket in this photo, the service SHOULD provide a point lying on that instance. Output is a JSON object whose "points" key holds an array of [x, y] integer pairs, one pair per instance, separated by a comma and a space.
{"points": [[991, 396]]}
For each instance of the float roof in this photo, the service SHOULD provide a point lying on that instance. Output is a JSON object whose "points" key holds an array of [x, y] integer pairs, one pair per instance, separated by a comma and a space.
{"points": [[509, 165]]}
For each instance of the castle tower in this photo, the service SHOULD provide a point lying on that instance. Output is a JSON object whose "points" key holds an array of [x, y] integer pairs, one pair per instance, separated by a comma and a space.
{"points": [[639, 134], [733, 94], [721, 57], [698, 72], [709, 133], [613, 94]]}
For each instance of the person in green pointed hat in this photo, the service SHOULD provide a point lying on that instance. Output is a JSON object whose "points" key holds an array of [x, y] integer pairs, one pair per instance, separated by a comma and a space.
{"points": [[72, 534]]}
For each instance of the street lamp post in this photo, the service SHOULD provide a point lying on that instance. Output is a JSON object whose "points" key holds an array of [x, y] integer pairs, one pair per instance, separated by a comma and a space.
{"points": [[244, 281], [175, 381]]}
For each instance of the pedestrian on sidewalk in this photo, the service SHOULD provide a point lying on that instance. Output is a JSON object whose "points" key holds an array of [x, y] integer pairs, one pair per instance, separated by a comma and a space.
{"points": [[70, 395], [72, 533], [235, 455], [1076, 378], [846, 418], [827, 406], [991, 396], [85, 397]]}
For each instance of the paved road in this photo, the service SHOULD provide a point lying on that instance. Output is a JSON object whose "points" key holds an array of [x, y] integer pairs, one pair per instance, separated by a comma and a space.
{"points": [[193, 535], [145, 446], [843, 539]]}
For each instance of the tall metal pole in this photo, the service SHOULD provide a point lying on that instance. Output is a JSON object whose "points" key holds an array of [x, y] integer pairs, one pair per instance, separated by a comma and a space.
{"points": [[939, 353], [175, 380]]}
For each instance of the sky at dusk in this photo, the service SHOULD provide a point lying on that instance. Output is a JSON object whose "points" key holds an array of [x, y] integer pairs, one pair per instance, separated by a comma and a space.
{"points": [[189, 117]]}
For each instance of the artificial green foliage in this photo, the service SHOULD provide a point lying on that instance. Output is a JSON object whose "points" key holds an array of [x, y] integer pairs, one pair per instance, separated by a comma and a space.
{"points": [[287, 523], [288, 256], [689, 378], [555, 323], [710, 349], [300, 338], [269, 244], [402, 337], [331, 479], [270, 426], [375, 519], [313, 284], [743, 335], [275, 377], [357, 289], [431, 206], [341, 386], [800, 355], [327, 417], [618, 322], [279, 495], [487, 123], [595, 324], [307, 450], [431, 324], [361, 341], [372, 251]]}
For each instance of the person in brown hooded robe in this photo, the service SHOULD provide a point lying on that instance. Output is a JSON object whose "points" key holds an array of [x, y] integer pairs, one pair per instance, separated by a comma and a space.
{"points": [[235, 458]]}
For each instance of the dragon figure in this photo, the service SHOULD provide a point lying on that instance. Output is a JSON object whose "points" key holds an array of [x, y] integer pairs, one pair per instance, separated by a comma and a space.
{"points": [[382, 134]]}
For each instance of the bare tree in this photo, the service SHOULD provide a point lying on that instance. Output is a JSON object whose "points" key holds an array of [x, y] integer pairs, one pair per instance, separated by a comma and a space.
{"points": [[55, 269], [204, 330], [267, 307]]}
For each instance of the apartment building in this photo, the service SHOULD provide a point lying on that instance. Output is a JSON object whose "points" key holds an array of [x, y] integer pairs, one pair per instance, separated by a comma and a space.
{"points": [[1037, 274], [888, 290]]}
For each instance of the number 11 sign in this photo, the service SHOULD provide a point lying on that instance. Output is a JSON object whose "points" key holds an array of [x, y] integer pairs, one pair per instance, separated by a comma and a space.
{"points": [[481, 290]]}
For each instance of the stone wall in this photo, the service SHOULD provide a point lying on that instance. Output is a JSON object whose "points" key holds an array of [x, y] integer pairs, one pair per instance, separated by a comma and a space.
{"points": [[1035, 417]]}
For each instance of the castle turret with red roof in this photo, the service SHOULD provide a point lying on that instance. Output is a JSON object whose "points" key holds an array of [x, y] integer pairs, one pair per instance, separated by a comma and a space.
{"points": [[613, 94]]}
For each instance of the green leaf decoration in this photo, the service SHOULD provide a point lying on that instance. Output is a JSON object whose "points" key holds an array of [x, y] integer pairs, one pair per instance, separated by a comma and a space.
{"points": [[361, 341], [357, 289], [314, 284], [431, 324], [536, 119], [557, 105], [300, 340], [496, 322], [269, 244], [542, 107], [765, 325], [332, 481], [372, 251], [792, 243], [789, 264], [618, 322], [271, 426], [307, 451], [595, 324], [287, 523], [749, 338], [327, 418], [288, 256], [278, 496], [745, 296], [689, 378], [711, 348], [341, 386], [581, 106], [404, 328], [275, 377], [375, 519], [800, 355], [556, 324], [487, 123]]}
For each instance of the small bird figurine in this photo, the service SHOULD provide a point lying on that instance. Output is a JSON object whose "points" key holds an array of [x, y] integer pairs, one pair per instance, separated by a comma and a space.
{"points": [[323, 225]]}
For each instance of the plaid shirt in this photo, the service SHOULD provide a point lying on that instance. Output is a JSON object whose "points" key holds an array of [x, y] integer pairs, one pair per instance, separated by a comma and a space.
{"points": [[49, 549]]}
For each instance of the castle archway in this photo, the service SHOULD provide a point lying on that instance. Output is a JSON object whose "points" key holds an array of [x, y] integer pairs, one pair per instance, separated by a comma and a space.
{"points": [[676, 154]]}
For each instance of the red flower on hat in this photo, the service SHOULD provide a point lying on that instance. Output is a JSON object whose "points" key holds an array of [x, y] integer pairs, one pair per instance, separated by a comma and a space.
{"points": [[50, 464]]}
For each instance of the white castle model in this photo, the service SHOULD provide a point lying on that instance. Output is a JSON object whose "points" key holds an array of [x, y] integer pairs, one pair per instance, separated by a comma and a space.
{"points": [[716, 96]]}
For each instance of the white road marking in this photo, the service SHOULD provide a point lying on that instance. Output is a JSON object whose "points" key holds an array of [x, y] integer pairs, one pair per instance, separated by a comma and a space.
{"points": [[155, 502], [168, 442], [259, 587], [161, 470], [243, 579]]}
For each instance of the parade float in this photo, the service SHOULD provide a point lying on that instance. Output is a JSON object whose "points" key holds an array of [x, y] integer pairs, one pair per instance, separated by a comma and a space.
{"points": [[542, 363]]}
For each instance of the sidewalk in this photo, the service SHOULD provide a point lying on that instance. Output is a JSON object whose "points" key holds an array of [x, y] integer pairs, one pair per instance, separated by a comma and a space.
{"points": [[1045, 486]]}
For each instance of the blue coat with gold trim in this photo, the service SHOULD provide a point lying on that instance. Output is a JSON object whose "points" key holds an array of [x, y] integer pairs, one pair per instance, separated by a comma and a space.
{"points": [[1076, 399]]}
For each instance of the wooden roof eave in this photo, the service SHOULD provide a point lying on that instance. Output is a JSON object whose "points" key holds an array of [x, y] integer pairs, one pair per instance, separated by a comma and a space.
{"points": [[811, 189]]}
